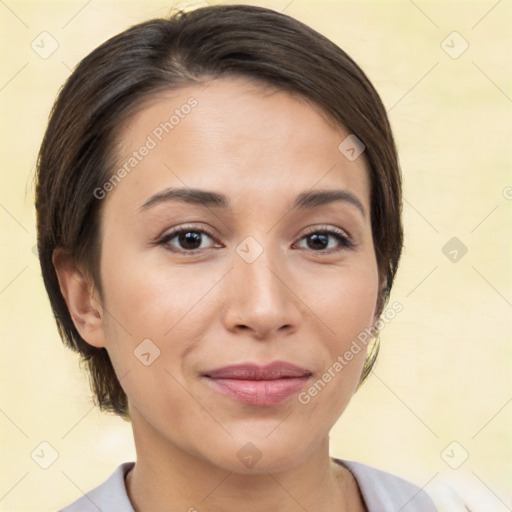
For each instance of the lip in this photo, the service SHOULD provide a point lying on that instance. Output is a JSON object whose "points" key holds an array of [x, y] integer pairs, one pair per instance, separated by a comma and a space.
{"points": [[258, 385]]}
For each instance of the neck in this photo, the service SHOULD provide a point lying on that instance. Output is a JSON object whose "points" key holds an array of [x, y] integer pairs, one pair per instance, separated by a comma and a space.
{"points": [[168, 478]]}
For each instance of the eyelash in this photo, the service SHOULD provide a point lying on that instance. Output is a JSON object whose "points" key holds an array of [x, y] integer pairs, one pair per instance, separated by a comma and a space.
{"points": [[164, 240], [344, 240]]}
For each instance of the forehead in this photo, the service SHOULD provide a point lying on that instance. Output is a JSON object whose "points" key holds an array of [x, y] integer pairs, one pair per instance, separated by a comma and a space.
{"points": [[237, 136]]}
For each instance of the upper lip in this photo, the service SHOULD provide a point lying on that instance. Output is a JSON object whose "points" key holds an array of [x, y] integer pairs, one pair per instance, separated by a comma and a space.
{"points": [[253, 371]]}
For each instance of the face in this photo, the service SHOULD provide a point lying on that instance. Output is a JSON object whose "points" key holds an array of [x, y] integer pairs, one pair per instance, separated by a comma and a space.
{"points": [[221, 311]]}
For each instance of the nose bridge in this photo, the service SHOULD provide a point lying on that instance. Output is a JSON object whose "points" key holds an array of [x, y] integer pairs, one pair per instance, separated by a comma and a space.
{"points": [[261, 279], [260, 299]]}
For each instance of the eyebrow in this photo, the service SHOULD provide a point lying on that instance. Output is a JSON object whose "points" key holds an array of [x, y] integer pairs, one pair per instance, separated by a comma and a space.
{"points": [[188, 195], [321, 197], [304, 201]]}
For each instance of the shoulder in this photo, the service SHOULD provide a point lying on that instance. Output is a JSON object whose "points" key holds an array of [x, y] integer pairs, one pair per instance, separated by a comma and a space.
{"points": [[109, 496], [386, 492]]}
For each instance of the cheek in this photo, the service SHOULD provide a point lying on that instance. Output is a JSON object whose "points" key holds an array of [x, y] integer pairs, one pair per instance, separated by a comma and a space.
{"points": [[157, 316], [346, 313], [345, 304], [155, 300], [340, 308]]}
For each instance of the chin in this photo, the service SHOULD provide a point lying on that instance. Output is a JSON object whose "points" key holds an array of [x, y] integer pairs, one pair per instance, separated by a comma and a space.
{"points": [[262, 455]]}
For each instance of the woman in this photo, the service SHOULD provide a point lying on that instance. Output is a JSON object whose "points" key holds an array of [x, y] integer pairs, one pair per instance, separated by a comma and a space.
{"points": [[219, 227]]}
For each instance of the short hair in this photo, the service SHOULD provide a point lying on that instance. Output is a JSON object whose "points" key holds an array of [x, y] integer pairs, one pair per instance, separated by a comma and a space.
{"points": [[77, 153]]}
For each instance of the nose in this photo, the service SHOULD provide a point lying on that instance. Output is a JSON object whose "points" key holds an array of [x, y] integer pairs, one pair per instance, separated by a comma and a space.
{"points": [[261, 299]]}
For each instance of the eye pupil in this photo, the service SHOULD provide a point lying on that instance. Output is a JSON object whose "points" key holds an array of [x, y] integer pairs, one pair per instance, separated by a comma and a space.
{"points": [[190, 239], [320, 241]]}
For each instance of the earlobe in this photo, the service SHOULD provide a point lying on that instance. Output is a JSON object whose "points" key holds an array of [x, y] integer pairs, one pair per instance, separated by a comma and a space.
{"points": [[80, 296]]}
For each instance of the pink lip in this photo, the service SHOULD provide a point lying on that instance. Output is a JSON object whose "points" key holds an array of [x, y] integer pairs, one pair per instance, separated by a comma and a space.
{"points": [[259, 385]]}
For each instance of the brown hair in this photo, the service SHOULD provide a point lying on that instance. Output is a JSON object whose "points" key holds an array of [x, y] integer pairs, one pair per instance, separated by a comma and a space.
{"points": [[77, 152]]}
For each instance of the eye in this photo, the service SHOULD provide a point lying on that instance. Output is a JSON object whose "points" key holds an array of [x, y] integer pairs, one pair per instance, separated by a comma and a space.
{"points": [[186, 240], [327, 240]]}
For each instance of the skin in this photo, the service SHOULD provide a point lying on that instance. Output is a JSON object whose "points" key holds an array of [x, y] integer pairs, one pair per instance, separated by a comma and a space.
{"points": [[296, 302]]}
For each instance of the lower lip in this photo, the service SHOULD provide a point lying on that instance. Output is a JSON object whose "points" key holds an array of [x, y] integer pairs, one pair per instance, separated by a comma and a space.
{"points": [[262, 393]]}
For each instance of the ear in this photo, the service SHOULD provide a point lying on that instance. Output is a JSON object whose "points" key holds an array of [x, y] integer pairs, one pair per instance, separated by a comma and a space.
{"points": [[81, 298]]}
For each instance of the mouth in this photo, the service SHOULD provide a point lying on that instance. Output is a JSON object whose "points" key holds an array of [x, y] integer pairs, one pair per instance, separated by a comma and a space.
{"points": [[257, 385]]}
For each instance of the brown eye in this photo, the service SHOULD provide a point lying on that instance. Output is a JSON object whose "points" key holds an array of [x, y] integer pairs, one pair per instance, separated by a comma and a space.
{"points": [[189, 240], [327, 241], [318, 241], [186, 240]]}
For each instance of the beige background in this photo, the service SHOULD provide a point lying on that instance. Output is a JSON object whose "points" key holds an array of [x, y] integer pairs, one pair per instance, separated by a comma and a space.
{"points": [[445, 365]]}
